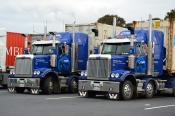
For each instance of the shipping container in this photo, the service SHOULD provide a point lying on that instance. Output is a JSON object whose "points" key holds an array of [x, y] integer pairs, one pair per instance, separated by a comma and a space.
{"points": [[11, 44]]}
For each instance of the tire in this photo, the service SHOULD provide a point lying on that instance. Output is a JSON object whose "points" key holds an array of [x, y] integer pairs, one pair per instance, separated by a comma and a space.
{"points": [[173, 92], [90, 94], [73, 86], [4, 86], [127, 91], [47, 85], [19, 89], [149, 92]]}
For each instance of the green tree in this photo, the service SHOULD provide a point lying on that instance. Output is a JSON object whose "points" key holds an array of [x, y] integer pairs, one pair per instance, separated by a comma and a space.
{"points": [[170, 15], [156, 18], [108, 19]]}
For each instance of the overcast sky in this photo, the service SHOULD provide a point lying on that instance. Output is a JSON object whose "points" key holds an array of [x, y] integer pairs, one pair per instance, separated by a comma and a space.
{"points": [[29, 15]]}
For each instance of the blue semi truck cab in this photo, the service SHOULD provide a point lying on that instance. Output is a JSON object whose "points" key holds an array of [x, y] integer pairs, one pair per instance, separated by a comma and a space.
{"points": [[52, 66], [128, 65]]}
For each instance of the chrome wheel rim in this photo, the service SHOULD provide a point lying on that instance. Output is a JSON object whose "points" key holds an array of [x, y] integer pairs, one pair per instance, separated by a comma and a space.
{"points": [[149, 89], [50, 85], [127, 90]]}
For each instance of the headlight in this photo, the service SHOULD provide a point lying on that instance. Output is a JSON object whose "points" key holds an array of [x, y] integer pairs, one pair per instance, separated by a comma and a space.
{"points": [[36, 72], [12, 72], [85, 74], [112, 75], [82, 73], [117, 75]]}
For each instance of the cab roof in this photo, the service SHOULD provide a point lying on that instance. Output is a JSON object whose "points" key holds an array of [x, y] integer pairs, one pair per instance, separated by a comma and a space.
{"points": [[114, 40], [44, 42]]}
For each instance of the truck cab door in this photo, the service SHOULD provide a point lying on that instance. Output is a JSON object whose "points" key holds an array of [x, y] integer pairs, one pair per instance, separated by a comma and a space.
{"points": [[141, 58]]}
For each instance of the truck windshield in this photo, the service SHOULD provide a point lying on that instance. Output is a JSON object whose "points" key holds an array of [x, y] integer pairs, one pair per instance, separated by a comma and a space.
{"points": [[116, 48], [42, 49]]}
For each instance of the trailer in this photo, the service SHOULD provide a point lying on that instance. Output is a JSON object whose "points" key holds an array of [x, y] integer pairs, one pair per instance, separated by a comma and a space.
{"points": [[133, 63], [54, 65], [11, 44]]}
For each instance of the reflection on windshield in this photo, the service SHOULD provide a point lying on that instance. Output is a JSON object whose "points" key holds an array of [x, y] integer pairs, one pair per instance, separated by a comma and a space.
{"points": [[42, 49], [116, 48]]}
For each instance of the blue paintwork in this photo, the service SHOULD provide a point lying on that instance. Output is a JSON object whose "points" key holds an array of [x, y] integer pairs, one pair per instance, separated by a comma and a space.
{"points": [[63, 66], [82, 41], [41, 61], [142, 35], [141, 64], [119, 62]]}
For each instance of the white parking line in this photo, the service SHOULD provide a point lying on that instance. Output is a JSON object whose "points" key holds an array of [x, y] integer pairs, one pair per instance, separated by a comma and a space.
{"points": [[158, 107], [58, 98]]}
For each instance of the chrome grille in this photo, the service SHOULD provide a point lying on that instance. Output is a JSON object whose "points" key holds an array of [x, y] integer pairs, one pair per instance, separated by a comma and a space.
{"points": [[23, 66], [98, 68]]}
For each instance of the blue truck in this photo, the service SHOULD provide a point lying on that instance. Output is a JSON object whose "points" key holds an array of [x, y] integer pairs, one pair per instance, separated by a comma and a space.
{"points": [[131, 64], [52, 66]]}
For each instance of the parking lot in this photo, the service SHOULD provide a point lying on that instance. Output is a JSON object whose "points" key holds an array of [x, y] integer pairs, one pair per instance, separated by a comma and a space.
{"points": [[73, 105]]}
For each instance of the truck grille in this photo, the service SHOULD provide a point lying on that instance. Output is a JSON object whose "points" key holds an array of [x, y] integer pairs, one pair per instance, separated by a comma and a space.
{"points": [[23, 66], [98, 68]]}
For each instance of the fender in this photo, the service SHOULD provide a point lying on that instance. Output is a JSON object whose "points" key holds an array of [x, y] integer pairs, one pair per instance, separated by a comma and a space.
{"points": [[126, 74], [147, 80], [73, 77], [45, 72]]}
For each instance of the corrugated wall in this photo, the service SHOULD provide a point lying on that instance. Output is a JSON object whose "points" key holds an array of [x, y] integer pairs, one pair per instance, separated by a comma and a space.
{"points": [[14, 46]]}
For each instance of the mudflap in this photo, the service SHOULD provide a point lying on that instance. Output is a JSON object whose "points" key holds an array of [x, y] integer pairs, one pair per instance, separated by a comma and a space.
{"points": [[113, 96], [34, 91], [82, 93], [11, 89]]}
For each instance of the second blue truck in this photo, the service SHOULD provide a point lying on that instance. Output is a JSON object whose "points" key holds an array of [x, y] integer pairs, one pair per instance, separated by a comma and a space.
{"points": [[52, 66]]}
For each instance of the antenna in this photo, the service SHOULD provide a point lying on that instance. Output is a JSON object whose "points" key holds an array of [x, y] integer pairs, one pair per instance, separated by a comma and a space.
{"points": [[33, 28], [45, 30]]}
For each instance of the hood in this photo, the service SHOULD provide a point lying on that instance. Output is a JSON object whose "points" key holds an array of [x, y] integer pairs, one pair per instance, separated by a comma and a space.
{"points": [[41, 61], [119, 63]]}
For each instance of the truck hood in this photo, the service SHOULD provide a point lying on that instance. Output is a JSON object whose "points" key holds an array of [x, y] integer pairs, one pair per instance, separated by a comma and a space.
{"points": [[39, 61], [119, 63]]}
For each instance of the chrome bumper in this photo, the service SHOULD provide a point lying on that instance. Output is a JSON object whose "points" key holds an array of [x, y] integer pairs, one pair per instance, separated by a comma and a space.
{"points": [[101, 86], [24, 82]]}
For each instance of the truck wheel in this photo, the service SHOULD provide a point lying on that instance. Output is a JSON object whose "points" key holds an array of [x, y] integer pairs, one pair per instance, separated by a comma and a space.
{"points": [[4, 86], [149, 93], [19, 90], [174, 92], [73, 86], [90, 94], [47, 86], [127, 90]]}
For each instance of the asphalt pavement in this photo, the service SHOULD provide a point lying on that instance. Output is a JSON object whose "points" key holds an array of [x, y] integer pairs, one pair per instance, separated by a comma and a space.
{"points": [[73, 105]]}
